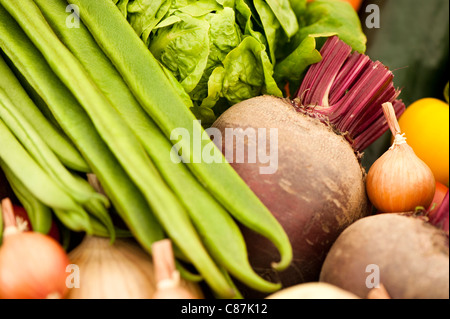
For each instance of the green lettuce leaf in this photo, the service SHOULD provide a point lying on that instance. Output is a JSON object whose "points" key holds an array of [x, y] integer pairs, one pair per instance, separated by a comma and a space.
{"points": [[272, 27], [246, 73], [331, 16], [293, 66], [144, 15], [183, 48], [320, 19], [123, 6], [299, 7], [224, 36], [199, 8], [285, 15]]}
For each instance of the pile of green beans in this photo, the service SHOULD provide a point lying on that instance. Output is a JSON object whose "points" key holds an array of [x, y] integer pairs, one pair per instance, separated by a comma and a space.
{"points": [[113, 109]]}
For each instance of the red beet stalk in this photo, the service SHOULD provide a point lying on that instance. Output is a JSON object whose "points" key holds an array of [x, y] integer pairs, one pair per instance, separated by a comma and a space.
{"points": [[346, 90], [441, 217]]}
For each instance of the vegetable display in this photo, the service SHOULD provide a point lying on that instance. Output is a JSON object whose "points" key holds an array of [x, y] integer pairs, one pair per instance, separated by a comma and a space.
{"points": [[218, 149]]}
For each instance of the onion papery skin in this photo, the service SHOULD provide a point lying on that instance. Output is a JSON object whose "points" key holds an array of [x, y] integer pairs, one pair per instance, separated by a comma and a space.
{"points": [[400, 182], [32, 266]]}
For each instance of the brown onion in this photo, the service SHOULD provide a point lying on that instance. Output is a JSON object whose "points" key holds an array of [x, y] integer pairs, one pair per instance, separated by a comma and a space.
{"points": [[399, 181]]}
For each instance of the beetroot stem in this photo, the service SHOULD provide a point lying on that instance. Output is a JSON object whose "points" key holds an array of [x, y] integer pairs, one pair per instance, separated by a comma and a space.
{"points": [[441, 217], [348, 89]]}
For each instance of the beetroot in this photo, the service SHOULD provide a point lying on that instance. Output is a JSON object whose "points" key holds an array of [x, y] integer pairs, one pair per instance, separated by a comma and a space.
{"points": [[317, 191], [405, 254], [315, 185]]}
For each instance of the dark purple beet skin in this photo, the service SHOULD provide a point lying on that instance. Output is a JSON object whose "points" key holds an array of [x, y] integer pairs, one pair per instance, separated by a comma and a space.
{"points": [[316, 192]]}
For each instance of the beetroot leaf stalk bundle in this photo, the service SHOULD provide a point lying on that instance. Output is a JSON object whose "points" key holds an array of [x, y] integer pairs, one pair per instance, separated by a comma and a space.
{"points": [[347, 90], [318, 188]]}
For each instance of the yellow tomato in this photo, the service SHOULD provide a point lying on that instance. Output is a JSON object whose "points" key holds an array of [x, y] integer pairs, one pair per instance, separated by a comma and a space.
{"points": [[426, 127]]}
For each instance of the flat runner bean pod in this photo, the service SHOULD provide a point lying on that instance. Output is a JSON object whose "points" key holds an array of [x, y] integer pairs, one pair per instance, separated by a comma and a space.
{"points": [[59, 143], [121, 140], [218, 230], [22, 165], [122, 192], [41, 105], [39, 214], [143, 74], [79, 189]]}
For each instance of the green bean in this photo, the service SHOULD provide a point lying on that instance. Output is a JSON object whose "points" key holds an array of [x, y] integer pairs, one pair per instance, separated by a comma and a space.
{"points": [[219, 231], [125, 196], [153, 90], [40, 104], [79, 189], [120, 139], [59, 144], [39, 214], [101, 231], [23, 166]]}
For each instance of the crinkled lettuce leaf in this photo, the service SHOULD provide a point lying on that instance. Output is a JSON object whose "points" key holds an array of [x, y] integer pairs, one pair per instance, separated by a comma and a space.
{"points": [[123, 6], [183, 48], [144, 15], [247, 72], [224, 35]]}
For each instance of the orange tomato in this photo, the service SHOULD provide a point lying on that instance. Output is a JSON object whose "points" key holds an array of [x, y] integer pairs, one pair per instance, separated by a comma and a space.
{"points": [[356, 4], [426, 127]]}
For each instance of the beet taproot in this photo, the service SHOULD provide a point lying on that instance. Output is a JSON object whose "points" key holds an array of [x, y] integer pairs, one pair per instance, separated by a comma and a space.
{"points": [[317, 190], [406, 254]]}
